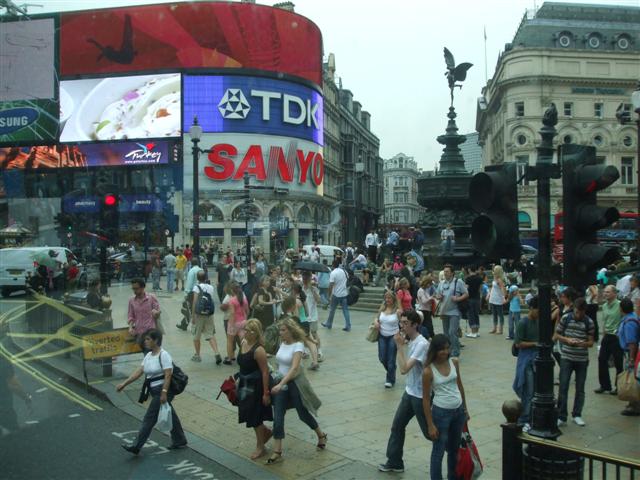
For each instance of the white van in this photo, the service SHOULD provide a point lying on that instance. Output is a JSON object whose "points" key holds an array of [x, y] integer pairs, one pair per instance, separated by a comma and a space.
{"points": [[16, 263], [327, 252]]}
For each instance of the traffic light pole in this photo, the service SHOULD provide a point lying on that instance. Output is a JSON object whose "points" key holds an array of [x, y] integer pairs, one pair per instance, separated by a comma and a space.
{"points": [[247, 201], [544, 415]]}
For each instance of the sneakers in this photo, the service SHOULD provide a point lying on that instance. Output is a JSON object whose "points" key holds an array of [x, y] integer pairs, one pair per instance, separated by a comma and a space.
{"points": [[579, 421], [196, 358], [218, 359], [326, 326], [508, 338], [561, 422], [388, 384], [601, 390], [471, 335], [385, 467]]}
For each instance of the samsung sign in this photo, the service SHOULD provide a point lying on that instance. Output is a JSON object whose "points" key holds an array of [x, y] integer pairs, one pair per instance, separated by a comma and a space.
{"points": [[235, 104]]}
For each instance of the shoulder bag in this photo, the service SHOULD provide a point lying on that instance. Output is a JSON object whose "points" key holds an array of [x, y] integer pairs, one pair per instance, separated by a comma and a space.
{"points": [[179, 379]]}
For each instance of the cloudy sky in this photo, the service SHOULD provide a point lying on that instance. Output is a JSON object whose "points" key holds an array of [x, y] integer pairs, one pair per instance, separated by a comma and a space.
{"points": [[389, 54]]}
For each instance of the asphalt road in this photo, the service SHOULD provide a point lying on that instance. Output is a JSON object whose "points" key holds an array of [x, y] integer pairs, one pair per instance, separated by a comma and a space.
{"points": [[71, 434]]}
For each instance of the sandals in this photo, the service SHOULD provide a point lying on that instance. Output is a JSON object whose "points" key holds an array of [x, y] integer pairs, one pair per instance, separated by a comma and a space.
{"points": [[274, 458], [322, 442]]}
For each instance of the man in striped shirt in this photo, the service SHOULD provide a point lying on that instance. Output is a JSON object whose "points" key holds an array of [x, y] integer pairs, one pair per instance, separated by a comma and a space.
{"points": [[575, 332]]}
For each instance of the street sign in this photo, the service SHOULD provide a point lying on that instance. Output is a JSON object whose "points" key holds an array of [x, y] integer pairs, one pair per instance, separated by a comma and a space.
{"points": [[109, 344]]}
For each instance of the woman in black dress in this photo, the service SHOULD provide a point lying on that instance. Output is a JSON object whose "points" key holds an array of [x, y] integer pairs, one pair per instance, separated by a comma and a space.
{"points": [[263, 308], [254, 401]]}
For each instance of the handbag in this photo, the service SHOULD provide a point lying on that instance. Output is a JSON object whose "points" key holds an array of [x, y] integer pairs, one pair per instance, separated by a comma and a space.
{"points": [[468, 466], [165, 419], [179, 379], [228, 387], [628, 388], [373, 333]]}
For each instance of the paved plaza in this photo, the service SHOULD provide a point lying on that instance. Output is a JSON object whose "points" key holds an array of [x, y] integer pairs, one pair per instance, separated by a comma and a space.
{"points": [[357, 410]]}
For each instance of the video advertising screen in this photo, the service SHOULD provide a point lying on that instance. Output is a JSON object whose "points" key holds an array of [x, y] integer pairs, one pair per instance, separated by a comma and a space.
{"points": [[121, 108], [190, 35], [28, 108]]}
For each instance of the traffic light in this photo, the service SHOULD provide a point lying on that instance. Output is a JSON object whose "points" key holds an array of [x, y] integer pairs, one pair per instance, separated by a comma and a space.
{"points": [[582, 178], [110, 217], [494, 195]]}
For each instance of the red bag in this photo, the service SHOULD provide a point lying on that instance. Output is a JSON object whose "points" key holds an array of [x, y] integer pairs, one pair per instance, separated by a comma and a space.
{"points": [[228, 387], [469, 465]]}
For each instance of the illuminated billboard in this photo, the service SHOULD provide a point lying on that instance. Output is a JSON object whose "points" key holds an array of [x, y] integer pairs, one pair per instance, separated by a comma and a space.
{"points": [[28, 107], [232, 103], [271, 161], [121, 108], [190, 35], [85, 155]]}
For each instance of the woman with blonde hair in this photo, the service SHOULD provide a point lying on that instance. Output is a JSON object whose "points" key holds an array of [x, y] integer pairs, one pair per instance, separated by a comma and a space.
{"points": [[292, 388], [387, 324], [254, 398], [497, 299]]}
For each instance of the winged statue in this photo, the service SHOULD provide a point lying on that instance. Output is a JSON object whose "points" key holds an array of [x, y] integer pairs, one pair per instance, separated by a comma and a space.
{"points": [[455, 73]]}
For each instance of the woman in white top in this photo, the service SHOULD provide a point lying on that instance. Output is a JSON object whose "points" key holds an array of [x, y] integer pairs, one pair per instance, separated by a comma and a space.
{"points": [[447, 416], [497, 299], [238, 274], [292, 388], [157, 367], [387, 324]]}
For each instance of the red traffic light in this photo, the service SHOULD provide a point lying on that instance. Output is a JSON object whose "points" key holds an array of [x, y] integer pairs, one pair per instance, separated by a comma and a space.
{"points": [[110, 200]]}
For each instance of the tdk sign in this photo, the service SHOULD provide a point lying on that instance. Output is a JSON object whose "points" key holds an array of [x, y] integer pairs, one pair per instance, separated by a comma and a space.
{"points": [[253, 105]]}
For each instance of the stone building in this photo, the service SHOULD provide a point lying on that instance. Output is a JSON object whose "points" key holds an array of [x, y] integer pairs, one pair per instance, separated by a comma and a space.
{"points": [[401, 191], [586, 60], [472, 153]]}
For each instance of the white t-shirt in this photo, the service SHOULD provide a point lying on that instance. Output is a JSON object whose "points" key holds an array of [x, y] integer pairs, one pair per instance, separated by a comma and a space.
{"points": [[205, 288], [361, 259], [151, 366], [388, 324], [417, 349], [284, 357], [339, 279], [312, 306]]}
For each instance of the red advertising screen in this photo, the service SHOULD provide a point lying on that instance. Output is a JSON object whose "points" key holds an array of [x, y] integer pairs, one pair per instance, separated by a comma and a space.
{"points": [[190, 35]]}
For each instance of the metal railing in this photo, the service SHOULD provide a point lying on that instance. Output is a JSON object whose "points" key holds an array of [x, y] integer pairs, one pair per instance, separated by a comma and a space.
{"points": [[525, 457]]}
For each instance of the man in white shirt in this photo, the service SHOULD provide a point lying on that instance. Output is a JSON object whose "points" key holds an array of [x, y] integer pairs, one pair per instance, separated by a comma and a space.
{"points": [[170, 264], [411, 401], [623, 286], [203, 324], [338, 292], [359, 263], [372, 242]]}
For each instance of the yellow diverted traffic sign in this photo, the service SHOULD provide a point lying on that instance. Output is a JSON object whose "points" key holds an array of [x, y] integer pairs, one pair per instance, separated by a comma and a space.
{"points": [[109, 344]]}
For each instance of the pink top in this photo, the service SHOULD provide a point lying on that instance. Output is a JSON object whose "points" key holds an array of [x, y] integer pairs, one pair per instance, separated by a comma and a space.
{"points": [[405, 299], [139, 314], [240, 313]]}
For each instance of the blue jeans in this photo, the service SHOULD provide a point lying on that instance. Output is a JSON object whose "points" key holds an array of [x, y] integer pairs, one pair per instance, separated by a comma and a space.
{"points": [[498, 315], [474, 312], [409, 407], [151, 418], [450, 325], [345, 311], [449, 423], [171, 276], [387, 350], [447, 246], [155, 276], [566, 368], [284, 399], [514, 319], [527, 394], [324, 295]]}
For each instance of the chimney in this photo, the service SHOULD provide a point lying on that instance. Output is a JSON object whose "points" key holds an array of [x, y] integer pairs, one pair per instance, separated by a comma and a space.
{"points": [[357, 108], [365, 118], [288, 6]]}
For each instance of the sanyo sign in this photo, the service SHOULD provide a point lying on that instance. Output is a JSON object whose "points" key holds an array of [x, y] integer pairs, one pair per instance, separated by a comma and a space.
{"points": [[238, 104]]}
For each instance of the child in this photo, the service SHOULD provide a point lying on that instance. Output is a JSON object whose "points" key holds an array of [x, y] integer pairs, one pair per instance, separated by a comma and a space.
{"points": [[515, 301]]}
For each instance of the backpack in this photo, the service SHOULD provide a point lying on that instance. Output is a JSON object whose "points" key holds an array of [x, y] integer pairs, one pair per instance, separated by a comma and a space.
{"points": [[271, 339], [179, 379], [353, 295], [349, 255], [204, 304]]}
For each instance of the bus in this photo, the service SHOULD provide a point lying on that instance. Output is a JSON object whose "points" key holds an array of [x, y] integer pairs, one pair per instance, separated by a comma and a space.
{"points": [[622, 234]]}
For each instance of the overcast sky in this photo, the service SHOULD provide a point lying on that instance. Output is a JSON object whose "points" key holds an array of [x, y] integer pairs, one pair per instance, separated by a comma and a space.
{"points": [[389, 54]]}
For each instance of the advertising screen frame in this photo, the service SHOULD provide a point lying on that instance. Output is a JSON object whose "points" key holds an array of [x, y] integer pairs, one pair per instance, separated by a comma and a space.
{"points": [[54, 102]]}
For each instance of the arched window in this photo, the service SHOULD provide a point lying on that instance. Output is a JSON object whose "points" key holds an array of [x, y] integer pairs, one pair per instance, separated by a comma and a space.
{"points": [[524, 219], [240, 212], [210, 213], [304, 215]]}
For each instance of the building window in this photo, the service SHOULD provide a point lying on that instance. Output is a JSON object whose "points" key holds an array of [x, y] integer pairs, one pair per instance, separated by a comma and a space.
{"points": [[594, 40], [623, 42], [524, 219], [564, 39], [627, 141], [598, 140], [519, 109], [626, 174], [522, 161], [598, 110], [601, 160], [567, 139], [568, 109], [521, 139]]}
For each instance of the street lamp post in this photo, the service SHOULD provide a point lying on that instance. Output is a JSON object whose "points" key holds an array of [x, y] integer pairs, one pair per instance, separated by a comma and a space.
{"points": [[195, 131], [635, 101]]}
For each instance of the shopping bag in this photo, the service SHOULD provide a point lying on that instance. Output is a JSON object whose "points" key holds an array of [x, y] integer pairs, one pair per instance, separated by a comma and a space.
{"points": [[372, 334], [165, 420], [228, 387], [468, 465], [628, 388]]}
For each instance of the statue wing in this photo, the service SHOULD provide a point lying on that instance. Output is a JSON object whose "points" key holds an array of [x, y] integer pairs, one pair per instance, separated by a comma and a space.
{"points": [[448, 58], [460, 72]]}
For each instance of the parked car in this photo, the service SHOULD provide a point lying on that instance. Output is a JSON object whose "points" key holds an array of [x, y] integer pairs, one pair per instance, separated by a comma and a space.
{"points": [[327, 252], [125, 265]]}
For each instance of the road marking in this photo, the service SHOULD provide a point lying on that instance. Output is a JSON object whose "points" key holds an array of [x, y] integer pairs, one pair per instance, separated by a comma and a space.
{"points": [[74, 415], [43, 389], [31, 422], [39, 376]]}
